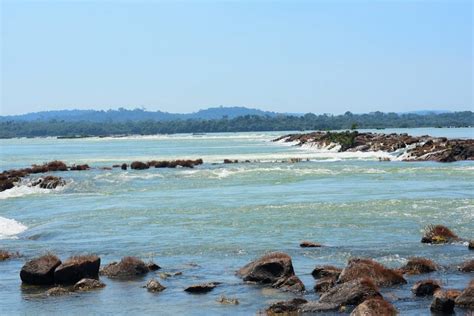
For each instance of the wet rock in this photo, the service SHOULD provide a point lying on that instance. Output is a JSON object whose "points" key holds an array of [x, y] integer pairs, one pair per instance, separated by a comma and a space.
{"points": [[438, 234], [124, 166], [201, 288], [466, 298], [425, 287], [57, 291], [76, 268], [227, 161], [442, 303], [467, 266], [326, 271], [309, 244], [228, 301], [418, 265], [5, 255], [274, 268], [286, 308], [154, 286], [80, 167], [138, 165], [374, 307], [56, 166], [325, 284], [49, 182], [128, 267], [40, 271], [152, 266], [6, 184], [291, 284], [361, 268], [351, 292], [88, 284]]}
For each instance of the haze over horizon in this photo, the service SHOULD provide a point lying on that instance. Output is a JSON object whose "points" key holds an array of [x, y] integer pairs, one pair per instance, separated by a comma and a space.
{"points": [[297, 57]]}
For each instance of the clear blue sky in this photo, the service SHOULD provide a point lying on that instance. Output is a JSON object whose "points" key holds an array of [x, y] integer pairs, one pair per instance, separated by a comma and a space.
{"points": [[286, 56]]}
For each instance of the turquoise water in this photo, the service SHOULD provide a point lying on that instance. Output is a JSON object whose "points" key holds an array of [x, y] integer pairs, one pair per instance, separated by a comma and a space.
{"points": [[209, 221]]}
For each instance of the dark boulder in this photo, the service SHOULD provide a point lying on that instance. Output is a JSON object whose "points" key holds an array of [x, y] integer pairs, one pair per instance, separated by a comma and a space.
{"points": [[418, 266], [56, 166], [128, 267], [291, 284], [88, 284], [49, 182], [154, 286], [152, 266], [361, 268], [124, 166], [374, 307], [6, 184], [80, 167], [40, 271], [5, 255], [425, 287], [309, 244], [138, 165], [201, 288], [76, 268], [442, 303]]}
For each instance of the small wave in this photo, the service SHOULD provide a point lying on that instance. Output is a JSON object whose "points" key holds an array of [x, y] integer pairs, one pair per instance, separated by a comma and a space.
{"points": [[10, 227], [23, 190]]}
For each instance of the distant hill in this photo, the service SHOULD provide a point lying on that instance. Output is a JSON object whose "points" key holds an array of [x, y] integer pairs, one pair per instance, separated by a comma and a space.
{"points": [[123, 115]]}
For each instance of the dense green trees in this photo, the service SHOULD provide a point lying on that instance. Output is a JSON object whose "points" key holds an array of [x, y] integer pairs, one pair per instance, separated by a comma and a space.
{"points": [[239, 124]]}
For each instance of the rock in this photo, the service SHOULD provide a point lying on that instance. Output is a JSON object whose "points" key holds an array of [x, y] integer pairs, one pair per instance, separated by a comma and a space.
{"points": [[175, 163], [6, 184], [425, 287], [154, 286], [274, 268], [227, 161], [325, 284], [466, 298], [374, 307], [360, 268], [40, 271], [326, 271], [418, 266], [88, 284], [309, 244], [76, 268], [470, 246], [128, 267], [286, 308], [5, 255], [49, 182], [57, 291], [228, 301], [201, 288], [351, 292], [438, 234], [139, 165], [318, 307], [442, 303], [152, 266], [467, 266], [79, 167], [56, 166], [124, 166]]}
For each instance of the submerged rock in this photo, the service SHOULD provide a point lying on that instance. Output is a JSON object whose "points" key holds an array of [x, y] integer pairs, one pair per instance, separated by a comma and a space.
{"points": [[49, 182], [79, 167], [128, 267], [154, 286], [309, 244], [425, 287], [438, 234], [228, 301], [5, 255], [274, 268], [201, 288], [374, 307], [418, 265], [40, 271], [57, 291], [76, 268], [361, 268], [88, 284], [466, 298]]}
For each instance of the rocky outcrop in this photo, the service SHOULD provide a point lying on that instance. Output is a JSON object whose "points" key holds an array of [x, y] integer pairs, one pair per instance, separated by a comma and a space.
{"points": [[374, 307], [154, 286], [76, 268], [360, 268], [438, 234], [88, 285], [467, 266], [138, 165], [275, 269], [413, 148], [466, 298], [425, 287], [128, 267], [201, 288], [418, 265], [40, 271]]}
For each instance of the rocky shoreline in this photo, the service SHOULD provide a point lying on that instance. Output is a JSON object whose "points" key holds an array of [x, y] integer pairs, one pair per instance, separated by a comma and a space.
{"points": [[403, 146], [353, 289]]}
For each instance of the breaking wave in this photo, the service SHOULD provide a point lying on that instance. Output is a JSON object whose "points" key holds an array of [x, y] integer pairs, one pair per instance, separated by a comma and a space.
{"points": [[10, 227]]}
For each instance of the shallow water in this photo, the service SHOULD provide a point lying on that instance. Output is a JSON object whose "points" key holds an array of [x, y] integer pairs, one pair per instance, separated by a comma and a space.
{"points": [[220, 216]]}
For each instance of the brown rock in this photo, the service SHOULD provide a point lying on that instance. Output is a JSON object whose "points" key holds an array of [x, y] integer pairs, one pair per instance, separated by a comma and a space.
{"points": [[201, 288], [425, 287], [287, 308], [438, 234], [471, 245], [466, 298], [88, 284], [80, 167], [128, 267], [139, 165], [360, 268], [268, 269], [77, 268], [374, 307], [56, 166], [309, 244], [57, 291], [418, 266], [442, 303], [467, 266], [325, 284], [5, 255], [152, 266], [352, 292], [326, 271], [291, 284], [40, 271], [154, 286]]}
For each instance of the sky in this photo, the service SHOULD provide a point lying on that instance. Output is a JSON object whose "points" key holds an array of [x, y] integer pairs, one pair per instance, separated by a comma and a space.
{"points": [[283, 56]]}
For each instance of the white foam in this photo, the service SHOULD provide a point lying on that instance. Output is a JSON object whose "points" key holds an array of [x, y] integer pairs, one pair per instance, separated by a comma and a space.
{"points": [[10, 227], [24, 190]]}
